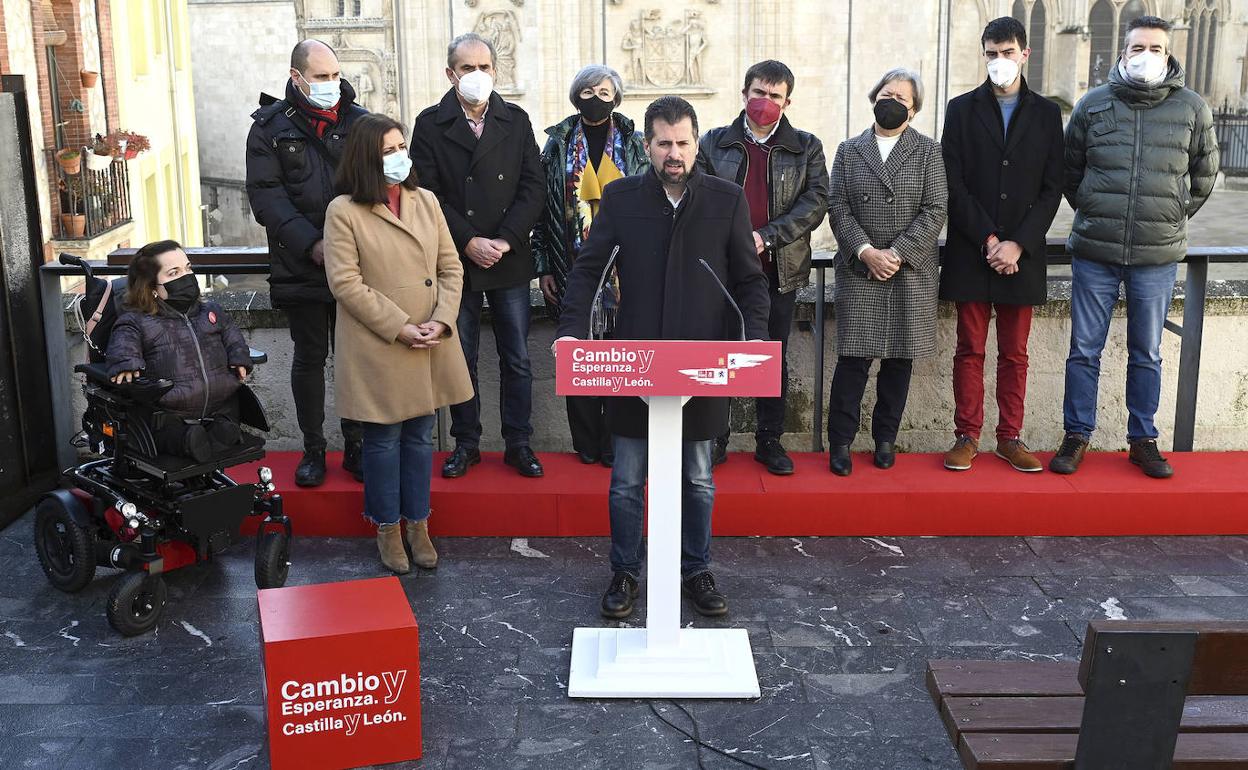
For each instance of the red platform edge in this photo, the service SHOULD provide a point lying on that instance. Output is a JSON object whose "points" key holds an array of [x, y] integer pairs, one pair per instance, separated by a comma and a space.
{"points": [[1208, 495]]}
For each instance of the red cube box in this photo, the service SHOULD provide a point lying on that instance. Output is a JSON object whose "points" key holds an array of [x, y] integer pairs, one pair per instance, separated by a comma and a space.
{"points": [[341, 674]]}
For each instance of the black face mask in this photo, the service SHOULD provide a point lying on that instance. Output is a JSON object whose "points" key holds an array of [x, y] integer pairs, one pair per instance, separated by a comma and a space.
{"points": [[890, 114], [182, 292], [593, 109]]}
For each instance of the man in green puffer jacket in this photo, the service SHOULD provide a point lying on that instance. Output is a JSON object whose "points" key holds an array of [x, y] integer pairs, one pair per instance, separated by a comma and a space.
{"points": [[1141, 159]]}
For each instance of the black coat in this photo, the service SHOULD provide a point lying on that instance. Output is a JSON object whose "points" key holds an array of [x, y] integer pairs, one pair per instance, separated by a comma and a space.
{"points": [[290, 182], [665, 293], [798, 186], [195, 350], [491, 187], [1010, 186]]}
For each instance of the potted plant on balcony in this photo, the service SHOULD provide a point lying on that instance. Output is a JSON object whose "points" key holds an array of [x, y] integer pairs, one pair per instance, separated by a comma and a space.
{"points": [[88, 78], [130, 143], [73, 223], [70, 160], [103, 150]]}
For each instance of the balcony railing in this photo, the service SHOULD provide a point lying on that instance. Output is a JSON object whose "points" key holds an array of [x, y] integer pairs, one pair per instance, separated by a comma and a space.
{"points": [[93, 198]]}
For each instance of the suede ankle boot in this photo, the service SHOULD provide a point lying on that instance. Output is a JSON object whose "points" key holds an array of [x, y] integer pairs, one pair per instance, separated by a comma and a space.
{"points": [[390, 547], [423, 553]]}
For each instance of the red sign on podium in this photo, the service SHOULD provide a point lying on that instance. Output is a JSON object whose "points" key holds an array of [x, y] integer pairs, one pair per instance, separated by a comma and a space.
{"points": [[667, 368]]}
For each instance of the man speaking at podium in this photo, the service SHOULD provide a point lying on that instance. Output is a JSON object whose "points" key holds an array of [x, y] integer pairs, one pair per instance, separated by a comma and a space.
{"points": [[682, 243]]}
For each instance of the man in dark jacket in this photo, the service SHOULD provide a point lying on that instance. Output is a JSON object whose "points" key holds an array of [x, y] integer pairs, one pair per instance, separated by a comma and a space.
{"points": [[663, 222], [785, 179], [1141, 159], [477, 153], [1002, 145], [292, 152]]}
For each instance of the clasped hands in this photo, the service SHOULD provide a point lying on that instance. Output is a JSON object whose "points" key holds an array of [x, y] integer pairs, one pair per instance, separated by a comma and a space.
{"points": [[1002, 255], [485, 252], [881, 264], [422, 336]]}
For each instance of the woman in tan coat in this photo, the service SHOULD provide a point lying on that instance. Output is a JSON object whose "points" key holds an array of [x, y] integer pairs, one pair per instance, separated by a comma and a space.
{"points": [[396, 275]]}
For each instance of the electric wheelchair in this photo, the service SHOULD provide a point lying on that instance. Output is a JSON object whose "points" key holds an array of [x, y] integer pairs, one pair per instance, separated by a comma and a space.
{"points": [[141, 511]]}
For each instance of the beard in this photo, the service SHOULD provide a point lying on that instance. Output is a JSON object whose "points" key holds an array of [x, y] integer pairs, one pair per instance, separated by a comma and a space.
{"points": [[670, 175]]}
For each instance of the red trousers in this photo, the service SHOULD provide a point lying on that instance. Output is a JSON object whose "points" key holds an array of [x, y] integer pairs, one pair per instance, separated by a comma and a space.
{"points": [[1013, 328]]}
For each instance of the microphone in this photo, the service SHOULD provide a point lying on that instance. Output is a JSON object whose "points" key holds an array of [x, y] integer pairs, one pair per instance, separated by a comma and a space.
{"points": [[727, 296], [597, 314]]}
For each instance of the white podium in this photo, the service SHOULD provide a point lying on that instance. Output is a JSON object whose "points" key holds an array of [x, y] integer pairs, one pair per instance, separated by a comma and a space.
{"points": [[664, 660]]}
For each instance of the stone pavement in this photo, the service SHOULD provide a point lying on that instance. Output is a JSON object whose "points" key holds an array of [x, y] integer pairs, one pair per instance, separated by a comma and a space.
{"points": [[841, 629]]}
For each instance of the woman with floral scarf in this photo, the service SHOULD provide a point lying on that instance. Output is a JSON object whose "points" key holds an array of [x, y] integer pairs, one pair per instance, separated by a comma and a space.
{"points": [[585, 152]]}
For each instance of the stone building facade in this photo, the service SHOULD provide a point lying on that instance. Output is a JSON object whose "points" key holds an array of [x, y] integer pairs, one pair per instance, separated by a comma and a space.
{"points": [[394, 53]]}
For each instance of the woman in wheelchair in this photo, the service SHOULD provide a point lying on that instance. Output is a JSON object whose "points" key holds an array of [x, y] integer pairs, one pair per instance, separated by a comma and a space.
{"points": [[168, 332]]}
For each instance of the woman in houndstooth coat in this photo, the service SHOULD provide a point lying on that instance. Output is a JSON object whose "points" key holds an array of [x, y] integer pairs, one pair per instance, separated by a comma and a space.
{"points": [[887, 207]]}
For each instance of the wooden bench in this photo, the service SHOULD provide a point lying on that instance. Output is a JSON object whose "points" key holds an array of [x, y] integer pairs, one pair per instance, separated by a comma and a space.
{"points": [[1145, 695]]}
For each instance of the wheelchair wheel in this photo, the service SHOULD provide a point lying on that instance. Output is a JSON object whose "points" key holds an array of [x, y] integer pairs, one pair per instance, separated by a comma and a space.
{"points": [[66, 550], [272, 560], [135, 603]]}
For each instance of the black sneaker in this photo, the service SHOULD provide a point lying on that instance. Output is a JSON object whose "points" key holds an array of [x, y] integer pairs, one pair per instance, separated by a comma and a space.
{"points": [[352, 454], [707, 600], [769, 452], [1069, 455], [1145, 454], [617, 602], [719, 452], [311, 470]]}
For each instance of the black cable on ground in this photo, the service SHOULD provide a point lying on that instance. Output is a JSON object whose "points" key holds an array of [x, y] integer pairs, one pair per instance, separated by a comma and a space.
{"points": [[696, 737]]}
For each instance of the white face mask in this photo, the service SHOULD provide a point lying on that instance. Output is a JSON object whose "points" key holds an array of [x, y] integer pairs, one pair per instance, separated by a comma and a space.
{"points": [[323, 94], [476, 86], [1146, 67], [1002, 72], [396, 166]]}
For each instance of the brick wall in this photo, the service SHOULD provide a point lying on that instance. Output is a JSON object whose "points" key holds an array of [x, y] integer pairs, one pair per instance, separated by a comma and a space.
{"points": [[5, 67], [108, 68]]}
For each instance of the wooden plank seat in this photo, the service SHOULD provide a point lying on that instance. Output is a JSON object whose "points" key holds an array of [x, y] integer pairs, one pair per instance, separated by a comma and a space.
{"points": [[1146, 694]]}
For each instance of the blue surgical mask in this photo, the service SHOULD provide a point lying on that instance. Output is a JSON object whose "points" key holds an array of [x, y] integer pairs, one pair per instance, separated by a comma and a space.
{"points": [[323, 95], [396, 166]]}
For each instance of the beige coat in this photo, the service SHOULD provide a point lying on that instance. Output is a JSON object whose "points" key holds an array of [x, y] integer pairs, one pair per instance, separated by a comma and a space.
{"points": [[387, 271]]}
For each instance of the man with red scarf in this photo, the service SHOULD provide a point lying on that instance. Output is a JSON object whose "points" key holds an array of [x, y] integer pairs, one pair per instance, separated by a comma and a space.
{"points": [[292, 154], [785, 179]]}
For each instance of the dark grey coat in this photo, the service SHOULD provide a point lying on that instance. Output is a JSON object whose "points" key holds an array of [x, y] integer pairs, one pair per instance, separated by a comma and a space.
{"points": [[665, 293], [900, 205], [798, 187], [1139, 162], [196, 351]]}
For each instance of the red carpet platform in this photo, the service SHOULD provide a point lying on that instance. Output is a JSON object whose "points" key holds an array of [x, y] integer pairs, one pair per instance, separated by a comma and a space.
{"points": [[1108, 496]]}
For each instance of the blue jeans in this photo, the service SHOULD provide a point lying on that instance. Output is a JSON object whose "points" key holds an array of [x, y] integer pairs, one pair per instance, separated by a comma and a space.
{"points": [[397, 461], [1094, 290], [628, 506], [509, 311]]}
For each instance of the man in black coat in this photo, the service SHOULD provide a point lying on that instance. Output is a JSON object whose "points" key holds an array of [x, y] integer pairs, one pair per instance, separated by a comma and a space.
{"points": [[292, 153], [663, 222], [1002, 145], [477, 153], [785, 178]]}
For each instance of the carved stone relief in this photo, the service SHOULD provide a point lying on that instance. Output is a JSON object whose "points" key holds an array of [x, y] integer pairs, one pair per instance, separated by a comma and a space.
{"points": [[666, 56], [364, 44], [502, 29]]}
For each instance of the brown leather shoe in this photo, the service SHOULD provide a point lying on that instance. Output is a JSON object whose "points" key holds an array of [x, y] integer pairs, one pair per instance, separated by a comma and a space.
{"points": [[423, 553], [1020, 458], [959, 457], [390, 548]]}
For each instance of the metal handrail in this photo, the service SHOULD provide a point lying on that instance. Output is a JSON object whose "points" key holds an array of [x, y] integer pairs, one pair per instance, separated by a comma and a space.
{"points": [[1190, 332]]}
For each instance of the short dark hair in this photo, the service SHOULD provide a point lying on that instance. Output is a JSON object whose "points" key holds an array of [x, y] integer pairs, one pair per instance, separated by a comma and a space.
{"points": [[299, 54], [360, 169], [1003, 30], [141, 275], [1147, 22], [464, 39], [770, 71], [671, 110]]}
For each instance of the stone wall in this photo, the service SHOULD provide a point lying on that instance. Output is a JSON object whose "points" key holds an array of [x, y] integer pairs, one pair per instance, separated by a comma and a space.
{"points": [[1222, 408]]}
